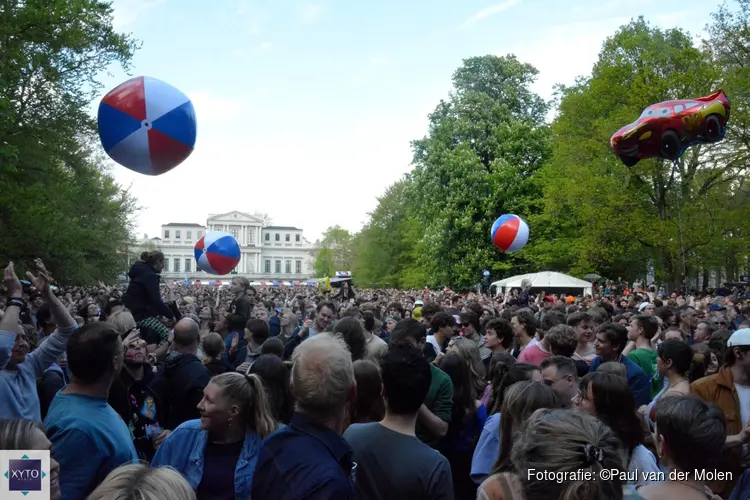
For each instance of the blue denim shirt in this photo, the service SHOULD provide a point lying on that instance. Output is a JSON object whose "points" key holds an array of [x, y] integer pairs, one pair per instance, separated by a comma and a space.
{"points": [[183, 450], [304, 461]]}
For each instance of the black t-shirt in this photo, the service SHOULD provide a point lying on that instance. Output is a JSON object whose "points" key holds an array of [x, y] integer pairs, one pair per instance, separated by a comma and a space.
{"points": [[142, 420], [393, 466], [219, 464]]}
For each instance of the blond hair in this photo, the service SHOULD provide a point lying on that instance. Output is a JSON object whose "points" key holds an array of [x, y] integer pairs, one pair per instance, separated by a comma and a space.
{"points": [[247, 393], [123, 321], [139, 482]]}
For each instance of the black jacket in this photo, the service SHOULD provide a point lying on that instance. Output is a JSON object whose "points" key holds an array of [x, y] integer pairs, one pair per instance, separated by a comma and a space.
{"points": [[142, 297], [180, 387], [217, 367]]}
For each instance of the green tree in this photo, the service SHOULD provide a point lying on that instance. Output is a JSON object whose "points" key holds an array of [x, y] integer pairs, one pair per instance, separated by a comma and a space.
{"points": [[600, 215], [485, 145], [386, 250], [325, 265], [340, 242], [58, 202]]}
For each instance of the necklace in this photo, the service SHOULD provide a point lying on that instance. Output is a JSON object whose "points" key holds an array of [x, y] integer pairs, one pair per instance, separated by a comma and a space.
{"points": [[675, 384]]}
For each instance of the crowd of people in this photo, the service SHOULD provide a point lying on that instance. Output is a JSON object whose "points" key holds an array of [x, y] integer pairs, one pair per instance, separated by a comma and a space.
{"points": [[161, 391]]}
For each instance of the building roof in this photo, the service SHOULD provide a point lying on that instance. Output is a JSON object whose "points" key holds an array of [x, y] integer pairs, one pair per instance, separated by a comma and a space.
{"points": [[283, 228], [183, 224]]}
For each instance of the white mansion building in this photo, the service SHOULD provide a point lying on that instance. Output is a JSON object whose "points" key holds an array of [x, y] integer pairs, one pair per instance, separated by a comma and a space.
{"points": [[267, 253]]}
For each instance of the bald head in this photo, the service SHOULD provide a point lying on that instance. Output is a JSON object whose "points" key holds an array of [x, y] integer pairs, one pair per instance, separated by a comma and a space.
{"points": [[186, 333], [322, 375]]}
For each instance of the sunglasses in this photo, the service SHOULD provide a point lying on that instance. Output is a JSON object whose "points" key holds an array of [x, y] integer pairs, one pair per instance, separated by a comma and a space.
{"points": [[465, 324]]}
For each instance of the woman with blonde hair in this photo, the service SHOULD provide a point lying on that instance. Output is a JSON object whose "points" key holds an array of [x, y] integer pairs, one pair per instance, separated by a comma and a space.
{"points": [[468, 351], [288, 323], [139, 482], [235, 418], [123, 322]]}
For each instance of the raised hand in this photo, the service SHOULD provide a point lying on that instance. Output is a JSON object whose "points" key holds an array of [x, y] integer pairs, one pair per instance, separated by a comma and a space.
{"points": [[12, 283], [42, 279]]}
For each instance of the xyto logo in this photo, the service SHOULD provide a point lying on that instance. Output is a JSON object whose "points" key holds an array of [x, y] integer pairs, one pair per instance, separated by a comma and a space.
{"points": [[25, 475]]}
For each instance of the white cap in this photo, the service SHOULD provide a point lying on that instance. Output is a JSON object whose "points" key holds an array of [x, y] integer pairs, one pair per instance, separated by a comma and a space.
{"points": [[740, 338]]}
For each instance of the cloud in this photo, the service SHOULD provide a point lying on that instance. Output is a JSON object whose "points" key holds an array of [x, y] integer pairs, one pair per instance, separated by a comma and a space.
{"points": [[263, 47], [377, 61], [126, 12], [489, 12], [310, 14], [213, 109]]}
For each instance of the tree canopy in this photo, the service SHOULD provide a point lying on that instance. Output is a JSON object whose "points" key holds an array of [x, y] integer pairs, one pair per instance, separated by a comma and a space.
{"points": [[490, 150], [59, 203]]}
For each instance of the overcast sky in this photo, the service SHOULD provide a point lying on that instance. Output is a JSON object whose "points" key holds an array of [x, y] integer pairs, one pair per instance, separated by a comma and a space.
{"points": [[306, 110]]}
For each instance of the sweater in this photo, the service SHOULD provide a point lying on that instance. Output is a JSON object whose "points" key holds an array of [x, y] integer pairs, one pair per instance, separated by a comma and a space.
{"points": [[18, 391]]}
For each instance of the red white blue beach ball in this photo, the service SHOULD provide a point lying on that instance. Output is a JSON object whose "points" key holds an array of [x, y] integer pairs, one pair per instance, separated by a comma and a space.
{"points": [[147, 125], [510, 233], [217, 253]]}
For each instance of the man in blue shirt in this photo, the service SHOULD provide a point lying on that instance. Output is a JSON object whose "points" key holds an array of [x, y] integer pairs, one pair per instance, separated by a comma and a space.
{"points": [[89, 438], [309, 459], [611, 339]]}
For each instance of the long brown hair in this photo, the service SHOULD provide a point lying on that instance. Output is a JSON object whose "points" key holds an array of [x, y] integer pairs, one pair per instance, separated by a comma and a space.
{"points": [[520, 401]]}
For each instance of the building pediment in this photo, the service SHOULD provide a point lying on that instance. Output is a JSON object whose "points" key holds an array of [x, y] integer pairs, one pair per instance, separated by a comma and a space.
{"points": [[234, 216]]}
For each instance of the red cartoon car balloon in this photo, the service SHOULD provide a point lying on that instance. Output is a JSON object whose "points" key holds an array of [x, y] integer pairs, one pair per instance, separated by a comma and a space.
{"points": [[667, 129]]}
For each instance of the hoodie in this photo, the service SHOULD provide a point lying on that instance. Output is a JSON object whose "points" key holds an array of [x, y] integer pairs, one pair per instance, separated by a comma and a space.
{"points": [[180, 387], [142, 297]]}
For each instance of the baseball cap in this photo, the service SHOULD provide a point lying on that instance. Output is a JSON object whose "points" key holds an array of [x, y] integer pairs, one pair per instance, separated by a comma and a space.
{"points": [[740, 338], [716, 307], [418, 302], [548, 298]]}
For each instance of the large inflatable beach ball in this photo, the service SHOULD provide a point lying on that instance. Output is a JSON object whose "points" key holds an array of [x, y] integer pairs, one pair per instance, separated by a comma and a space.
{"points": [[217, 253], [147, 125], [510, 233]]}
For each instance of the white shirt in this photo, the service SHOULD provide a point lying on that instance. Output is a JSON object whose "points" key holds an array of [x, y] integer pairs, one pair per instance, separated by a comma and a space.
{"points": [[743, 394], [431, 339]]}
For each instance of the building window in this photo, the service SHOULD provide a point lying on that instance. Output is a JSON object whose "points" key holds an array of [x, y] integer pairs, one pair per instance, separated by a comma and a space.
{"points": [[177, 234], [278, 267], [166, 264], [288, 237], [166, 234], [200, 234], [296, 238], [177, 265], [298, 267], [278, 237], [288, 266], [189, 235], [235, 233], [268, 265], [268, 236], [187, 266]]}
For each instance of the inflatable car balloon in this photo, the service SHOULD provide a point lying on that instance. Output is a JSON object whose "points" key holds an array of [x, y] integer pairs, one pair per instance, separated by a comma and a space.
{"points": [[665, 130], [217, 253], [147, 125], [510, 233]]}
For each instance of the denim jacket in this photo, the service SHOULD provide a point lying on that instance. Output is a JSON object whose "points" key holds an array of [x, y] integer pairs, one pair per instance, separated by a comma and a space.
{"points": [[183, 450]]}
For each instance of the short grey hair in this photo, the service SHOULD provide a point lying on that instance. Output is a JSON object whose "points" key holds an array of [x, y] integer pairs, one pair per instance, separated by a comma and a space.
{"points": [[322, 374]]}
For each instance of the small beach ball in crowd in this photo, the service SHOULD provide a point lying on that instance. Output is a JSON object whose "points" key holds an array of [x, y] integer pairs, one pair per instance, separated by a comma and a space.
{"points": [[510, 233], [217, 253], [147, 125]]}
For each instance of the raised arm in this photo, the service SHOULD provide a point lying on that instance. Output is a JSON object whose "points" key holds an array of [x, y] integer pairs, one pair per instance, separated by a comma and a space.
{"points": [[9, 320]]}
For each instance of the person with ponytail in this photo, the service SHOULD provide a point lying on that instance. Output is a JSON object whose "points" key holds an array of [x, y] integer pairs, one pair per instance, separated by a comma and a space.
{"points": [[143, 299], [218, 452]]}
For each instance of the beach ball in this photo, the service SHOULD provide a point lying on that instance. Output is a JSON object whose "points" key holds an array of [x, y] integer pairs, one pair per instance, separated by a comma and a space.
{"points": [[510, 233], [217, 253], [147, 125]]}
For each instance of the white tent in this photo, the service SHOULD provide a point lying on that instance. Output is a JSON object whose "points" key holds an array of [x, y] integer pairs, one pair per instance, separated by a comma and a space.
{"points": [[545, 280]]}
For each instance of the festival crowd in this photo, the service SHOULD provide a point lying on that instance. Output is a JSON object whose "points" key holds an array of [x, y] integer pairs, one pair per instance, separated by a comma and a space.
{"points": [[161, 391]]}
